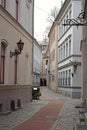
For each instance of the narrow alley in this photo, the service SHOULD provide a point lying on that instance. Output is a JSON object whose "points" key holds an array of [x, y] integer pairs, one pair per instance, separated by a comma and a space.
{"points": [[43, 64], [51, 112]]}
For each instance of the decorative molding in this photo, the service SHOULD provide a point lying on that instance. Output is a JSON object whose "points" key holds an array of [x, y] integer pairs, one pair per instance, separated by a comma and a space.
{"points": [[68, 65], [28, 2], [4, 41], [71, 56], [69, 87]]}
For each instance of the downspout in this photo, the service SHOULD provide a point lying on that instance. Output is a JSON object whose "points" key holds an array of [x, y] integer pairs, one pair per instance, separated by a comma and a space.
{"points": [[32, 39], [85, 5]]}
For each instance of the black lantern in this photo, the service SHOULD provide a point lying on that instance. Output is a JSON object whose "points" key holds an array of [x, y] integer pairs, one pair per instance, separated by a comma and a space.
{"points": [[20, 46], [75, 67]]}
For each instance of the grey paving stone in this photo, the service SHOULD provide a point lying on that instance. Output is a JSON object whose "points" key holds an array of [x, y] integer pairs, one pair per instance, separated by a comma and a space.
{"points": [[9, 121], [67, 118]]}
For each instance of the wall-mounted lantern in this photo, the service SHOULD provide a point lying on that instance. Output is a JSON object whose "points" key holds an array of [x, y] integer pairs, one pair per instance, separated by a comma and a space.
{"points": [[17, 51], [74, 63], [75, 66]]}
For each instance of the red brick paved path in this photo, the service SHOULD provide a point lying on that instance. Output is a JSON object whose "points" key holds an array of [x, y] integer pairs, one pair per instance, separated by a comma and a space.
{"points": [[44, 118]]}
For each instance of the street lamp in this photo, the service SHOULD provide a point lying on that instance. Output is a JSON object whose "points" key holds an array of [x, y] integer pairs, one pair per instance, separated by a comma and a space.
{"points": [[74, 63], [20, 46], [75, 66]]}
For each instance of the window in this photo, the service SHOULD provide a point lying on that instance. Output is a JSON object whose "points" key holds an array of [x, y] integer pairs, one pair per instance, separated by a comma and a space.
{"points": [[17, 10], [58, 78], [46, 62], [27, 17], [64, 78], [3, 3], [67, 18], [64, 27], [70, 14], [66, 49], [2, 61], [59, 54], [59, 31], [69, 80], [69, 46]]}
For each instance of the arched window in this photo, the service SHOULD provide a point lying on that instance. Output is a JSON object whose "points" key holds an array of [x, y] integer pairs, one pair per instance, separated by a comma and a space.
{"points": [[2, 62]]}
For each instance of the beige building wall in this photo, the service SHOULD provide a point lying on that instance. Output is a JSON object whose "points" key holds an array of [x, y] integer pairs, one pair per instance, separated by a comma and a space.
{"points": [[53, 57], [25, 12], [10, 33], [43, 67]]}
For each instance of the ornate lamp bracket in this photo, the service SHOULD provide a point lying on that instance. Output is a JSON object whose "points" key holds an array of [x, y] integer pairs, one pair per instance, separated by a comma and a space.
{"points": [[81, 20]]}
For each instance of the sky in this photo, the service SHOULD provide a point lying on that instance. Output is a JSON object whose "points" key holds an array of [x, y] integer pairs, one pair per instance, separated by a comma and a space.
{"points": [[41, 11]]}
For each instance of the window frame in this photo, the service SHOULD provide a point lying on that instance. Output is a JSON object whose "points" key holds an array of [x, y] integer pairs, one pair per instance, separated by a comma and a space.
{"points": [[17, 3], [3, 3], [2, 63]]}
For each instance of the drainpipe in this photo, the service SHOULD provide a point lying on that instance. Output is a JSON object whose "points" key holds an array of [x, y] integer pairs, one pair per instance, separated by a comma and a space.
{"points": [[32, 38]]}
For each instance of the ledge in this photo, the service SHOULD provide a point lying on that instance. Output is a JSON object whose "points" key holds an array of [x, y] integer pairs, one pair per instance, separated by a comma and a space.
{"points": [[4, 87]]}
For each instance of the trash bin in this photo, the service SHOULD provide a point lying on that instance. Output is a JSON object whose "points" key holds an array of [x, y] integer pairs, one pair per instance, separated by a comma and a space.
{"points": [[36, 92]]}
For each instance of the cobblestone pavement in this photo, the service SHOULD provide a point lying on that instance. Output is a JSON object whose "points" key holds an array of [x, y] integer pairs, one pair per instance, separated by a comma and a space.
{"points": [[7, 122], [67, 118]]}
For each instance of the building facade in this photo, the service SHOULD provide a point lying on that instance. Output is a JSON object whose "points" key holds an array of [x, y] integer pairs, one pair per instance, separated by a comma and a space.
{"points": [[69, 55], [52, 58], [37, 62], [21, 10], [15, 63], [47, 64], [43, 80], [84, 56]]}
